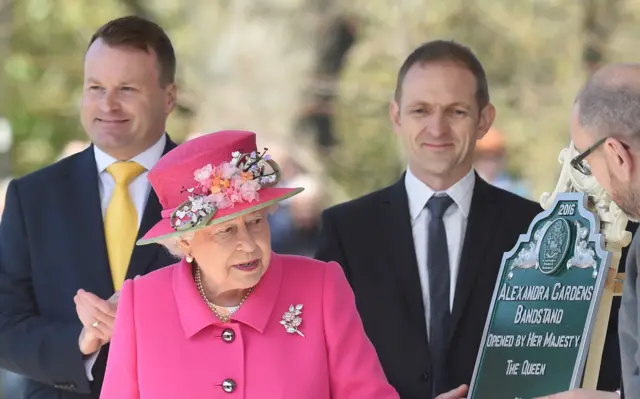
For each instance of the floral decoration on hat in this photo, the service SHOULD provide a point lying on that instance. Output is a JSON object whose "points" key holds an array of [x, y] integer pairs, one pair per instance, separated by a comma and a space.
{"points": [[223, 185]]}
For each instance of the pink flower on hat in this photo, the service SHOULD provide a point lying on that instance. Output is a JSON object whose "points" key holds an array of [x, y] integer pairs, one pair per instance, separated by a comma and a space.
{"points": [[227, 170], [224, 185], [203, 175], [249, 190]]}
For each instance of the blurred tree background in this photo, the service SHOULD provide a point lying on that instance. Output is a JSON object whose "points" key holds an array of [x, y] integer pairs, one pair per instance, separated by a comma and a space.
{"points": [[315, 76]]}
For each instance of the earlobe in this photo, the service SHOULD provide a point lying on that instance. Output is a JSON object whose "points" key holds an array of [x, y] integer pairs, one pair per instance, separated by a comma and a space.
{"points": [[172, 98], [487, 116], [185, 245], [620, 161], [394, 113]]}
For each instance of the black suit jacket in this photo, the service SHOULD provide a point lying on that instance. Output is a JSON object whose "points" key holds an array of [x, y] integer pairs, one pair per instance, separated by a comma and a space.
{"points": [[610, 377], [371, 237], [52, 244]]}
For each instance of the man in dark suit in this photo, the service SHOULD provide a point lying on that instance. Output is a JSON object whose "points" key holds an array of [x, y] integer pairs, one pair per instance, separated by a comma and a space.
{"points": [[68, 230], [423, 255]]}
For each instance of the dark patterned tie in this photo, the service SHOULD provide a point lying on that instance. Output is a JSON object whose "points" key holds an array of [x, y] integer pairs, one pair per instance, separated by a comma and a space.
{"points": [[438, 267]]}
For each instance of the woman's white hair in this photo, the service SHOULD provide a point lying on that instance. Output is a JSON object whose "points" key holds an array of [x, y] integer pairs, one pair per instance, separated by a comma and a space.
{"points": [[172, 244]]}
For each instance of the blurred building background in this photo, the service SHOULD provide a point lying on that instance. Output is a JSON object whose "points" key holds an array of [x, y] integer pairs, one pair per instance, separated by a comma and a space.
{"points": [[317, 75]]}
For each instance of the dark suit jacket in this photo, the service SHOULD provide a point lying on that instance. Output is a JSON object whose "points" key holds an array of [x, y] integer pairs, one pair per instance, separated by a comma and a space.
{"points": [[610, 369], [371, 237], [52, 244]]}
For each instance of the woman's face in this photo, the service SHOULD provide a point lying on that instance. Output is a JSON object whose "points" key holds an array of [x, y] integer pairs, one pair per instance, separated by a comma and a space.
{"points": [[233, 255]]}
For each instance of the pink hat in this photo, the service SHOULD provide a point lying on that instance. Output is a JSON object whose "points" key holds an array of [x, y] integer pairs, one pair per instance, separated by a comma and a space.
{"points": [[211, 179]]}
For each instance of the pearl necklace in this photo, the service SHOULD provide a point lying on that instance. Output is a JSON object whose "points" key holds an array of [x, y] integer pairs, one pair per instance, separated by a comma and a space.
{"points": [[230, 310]]}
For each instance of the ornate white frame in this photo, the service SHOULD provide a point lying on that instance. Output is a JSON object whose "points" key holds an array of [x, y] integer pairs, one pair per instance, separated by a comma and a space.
{"points": [[613, 223]]}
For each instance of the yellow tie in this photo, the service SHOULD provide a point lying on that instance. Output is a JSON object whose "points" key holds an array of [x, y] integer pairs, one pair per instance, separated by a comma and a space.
{"points": [[121, 220]]}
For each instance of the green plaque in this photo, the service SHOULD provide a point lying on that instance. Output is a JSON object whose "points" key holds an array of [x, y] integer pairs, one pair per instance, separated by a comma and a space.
{"points": [[539, 325]]}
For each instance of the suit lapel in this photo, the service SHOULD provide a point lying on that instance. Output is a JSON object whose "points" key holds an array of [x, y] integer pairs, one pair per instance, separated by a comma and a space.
{"points": [[81, 201], [483, 213], [401, 252], [143, 256]]}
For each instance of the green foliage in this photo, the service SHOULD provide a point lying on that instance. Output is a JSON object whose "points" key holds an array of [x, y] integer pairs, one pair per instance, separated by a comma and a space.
{"points": [[43, 75], [532, 51]]}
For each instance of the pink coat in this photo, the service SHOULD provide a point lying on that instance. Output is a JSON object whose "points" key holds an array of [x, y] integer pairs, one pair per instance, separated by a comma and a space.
{"points": [[167, 343]]}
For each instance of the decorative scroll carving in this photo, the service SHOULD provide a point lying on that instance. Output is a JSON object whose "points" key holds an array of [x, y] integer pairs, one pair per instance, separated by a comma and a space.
{"points": [[613, 224]]}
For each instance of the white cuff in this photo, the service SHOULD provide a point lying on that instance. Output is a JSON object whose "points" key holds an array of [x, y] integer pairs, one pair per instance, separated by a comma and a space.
{"points": [[88, 364]]}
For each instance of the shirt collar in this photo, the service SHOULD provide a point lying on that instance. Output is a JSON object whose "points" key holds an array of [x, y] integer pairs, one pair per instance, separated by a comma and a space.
{"points": [[419, 193], [255, 312], [148, 158]]}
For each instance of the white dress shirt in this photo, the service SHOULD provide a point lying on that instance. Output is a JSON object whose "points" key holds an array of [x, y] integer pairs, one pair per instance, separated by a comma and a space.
{"points": [[139, 190], [139, 187], [455, 223]]}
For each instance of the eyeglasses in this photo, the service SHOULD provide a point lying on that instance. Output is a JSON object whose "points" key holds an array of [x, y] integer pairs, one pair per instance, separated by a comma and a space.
{"points": [[580, 164]]}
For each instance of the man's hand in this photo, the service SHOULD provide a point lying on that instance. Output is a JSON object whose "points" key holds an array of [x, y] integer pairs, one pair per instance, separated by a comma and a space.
{"points": [[97, 317], [458, 393], [582, 394]]}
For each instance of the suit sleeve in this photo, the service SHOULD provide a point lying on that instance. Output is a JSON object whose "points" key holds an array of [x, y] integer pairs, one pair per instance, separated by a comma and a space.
{"points": [[42, 349], [628, 323], [120, 379], [329, 247], [354, 369]]}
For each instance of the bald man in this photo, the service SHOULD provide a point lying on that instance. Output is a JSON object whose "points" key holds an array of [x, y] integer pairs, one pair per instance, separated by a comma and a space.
{"points": [[605, 128]]}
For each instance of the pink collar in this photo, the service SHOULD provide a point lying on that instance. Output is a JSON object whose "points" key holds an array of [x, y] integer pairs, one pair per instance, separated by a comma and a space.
{"points": [[195, 315]]}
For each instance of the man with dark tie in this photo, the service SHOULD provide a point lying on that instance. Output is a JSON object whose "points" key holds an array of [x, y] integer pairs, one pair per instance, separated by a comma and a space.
{"points": [[423, 255], [68, 230]]}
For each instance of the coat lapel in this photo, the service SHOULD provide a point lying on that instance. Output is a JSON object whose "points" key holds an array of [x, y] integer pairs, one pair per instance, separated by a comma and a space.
{"points": [[483, 213], [81, 201], [401, 252], [143, 256]]}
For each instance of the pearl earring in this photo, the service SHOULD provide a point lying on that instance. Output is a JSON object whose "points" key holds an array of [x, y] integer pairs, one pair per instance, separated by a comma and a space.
{"points": [[188, 258]]}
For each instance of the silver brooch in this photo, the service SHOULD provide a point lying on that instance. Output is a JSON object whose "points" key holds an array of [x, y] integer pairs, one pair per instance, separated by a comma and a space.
{"points": [[291, 320]]}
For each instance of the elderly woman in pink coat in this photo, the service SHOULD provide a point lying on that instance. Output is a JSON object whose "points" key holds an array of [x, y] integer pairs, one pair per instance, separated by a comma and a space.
{"points": [[232, 319]]}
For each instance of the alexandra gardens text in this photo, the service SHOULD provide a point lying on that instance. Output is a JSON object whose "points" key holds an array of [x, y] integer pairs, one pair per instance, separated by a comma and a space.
{"points": [[540, 316]]}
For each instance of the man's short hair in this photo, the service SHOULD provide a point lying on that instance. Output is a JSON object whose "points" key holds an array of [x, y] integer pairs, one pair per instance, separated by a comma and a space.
{"points": [[609, 110], [447, 50], [141, 34]]}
